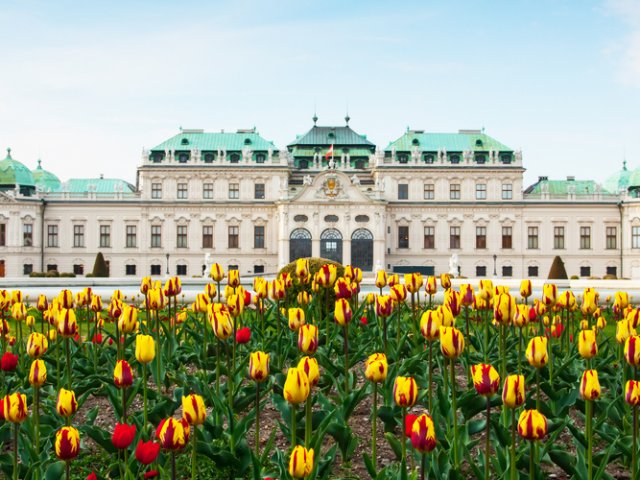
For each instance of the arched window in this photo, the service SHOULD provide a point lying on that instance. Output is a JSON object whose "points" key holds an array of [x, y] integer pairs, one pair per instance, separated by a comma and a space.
{"points": [[362, 249], [299, 244], [331, 245]]}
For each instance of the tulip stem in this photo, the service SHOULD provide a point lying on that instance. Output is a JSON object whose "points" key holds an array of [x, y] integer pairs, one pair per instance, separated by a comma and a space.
{"points": [[258, 420], [308, 422], [16, 426], [486, 338], [68, 469], [346, 358], [532, 462], [589, 412], [512, 463], [537, 389], [159, 356], [144, 393], [218, 368], [36, 419], [293, 426], [193, 453], [206, 343], [374, 426], [519, 351], [68, 353], [430, 377], [487, 446], [57, 362], [423, 463], [634, 444], [403, 439], [124, 405], [455, 416], [173, 464]]}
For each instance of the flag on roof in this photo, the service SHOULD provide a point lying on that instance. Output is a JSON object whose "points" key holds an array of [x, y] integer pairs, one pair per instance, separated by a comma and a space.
{"points": [[330, 152]]}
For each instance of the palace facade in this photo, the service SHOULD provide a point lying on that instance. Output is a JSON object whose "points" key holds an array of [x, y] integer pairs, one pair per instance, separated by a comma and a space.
{"points": [[239, 200]]}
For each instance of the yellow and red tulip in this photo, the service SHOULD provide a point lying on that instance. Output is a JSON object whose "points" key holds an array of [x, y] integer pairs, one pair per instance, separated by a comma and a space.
{"points": [[122, 374], [632, 393], [14, 407], [587, 344], [624, 330], [193, 410], [532, 425], [423, 434], [376, 368], [451, 342], [258, 366], [513, 391], [589, 385], [37, 373], [66, 404], [342, 312], [217, 272], [405, 391], [430, 324], [173, 434], [67, 444], [525, 288], [310, 366], [308, 339], [381, 279], [632, 350], [37, 345], [296, 387], [536, 353], [301, 462], [485, 379]]}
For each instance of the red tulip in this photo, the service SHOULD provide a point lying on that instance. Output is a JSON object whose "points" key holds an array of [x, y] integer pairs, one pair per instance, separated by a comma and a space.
{"points": [[97, 338], [243, 335], [151, 474], [408, 423], [363, 320], [123, 435], [9, 362], [92, 476], [147, 452]]}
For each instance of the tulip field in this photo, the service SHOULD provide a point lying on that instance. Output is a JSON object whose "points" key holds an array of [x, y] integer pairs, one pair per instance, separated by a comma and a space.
{"points": [[303, 377]]}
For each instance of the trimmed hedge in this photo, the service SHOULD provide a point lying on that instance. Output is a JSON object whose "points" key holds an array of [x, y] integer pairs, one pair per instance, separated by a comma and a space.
{"points": [[315, 264], [557, 270], [100, 268]]}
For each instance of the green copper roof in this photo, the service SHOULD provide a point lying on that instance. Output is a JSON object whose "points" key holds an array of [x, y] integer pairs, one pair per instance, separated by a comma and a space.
{"points": [[97, 185], [337, 136], [619, 181], [44, 180], [337, 152], [13, 172], [634, 178], [207, 141], [561, 187], [472, 140]]}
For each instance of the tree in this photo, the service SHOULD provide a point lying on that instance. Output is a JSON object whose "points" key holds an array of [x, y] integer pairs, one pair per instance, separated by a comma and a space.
{"points": [[100, 267], [557, 270]]}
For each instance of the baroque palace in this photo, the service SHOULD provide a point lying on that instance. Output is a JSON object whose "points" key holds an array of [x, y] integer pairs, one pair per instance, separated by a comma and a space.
{"points": [[427, 202]]}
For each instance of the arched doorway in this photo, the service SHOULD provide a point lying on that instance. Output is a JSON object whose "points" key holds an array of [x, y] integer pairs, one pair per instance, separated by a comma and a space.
{"points": [[331, 245], [299, 244], [362, 249]]}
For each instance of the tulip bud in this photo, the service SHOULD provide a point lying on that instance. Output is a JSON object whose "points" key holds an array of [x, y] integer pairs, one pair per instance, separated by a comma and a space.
{"points": [[37, 345], [537, 352], [587, 344], [173, 434], [342, 288], [620, 302], [296, 387], [376, 368], [296, 318], [43, 303], [123, 435], [384, 307], [381, 279], [37, 373], [308, 339], [525, 288], [632, 393], [122, 374], [303, 298], [300, 462], [217, 272], [157, 299], [445, 280], [624, 330], [145, 348], [145, 285], [451, 342], [485, 379], [398, 292], [423, 433], [504, 308], [590, 386], [310, 366], [632, 350], [221, 324], [65, 297], [67, 444], [234, 278], [128, 321], [258, 366], [532, 425], [430, 325], [67, 324], [431, 286], [342, 312], [513, 391], [193, 409], [405, 391], [393, 279], [66, 404], [14, 407]]}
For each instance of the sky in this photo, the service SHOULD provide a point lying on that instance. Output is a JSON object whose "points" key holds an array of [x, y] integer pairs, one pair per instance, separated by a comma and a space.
{"points": [[85, 86]]}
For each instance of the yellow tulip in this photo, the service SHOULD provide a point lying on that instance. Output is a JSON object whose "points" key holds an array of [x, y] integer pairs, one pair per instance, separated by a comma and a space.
{"points": [[296, 387], [589, 385], [451, 342], [37, 373], [15, 407], [430, 324], [308, 339], [587, 344], [549, 294], [485, 379], [624, 330], [405, 391], [193, 410], [37, 345], [217, 272], [381, 279], [67, 323], [128, 321], [537, 352], [504, 308], [445, 280], [376, 368], [303, 298], [342, 312], [431, 286], [525, 288], [301, 462], [66, 404], [309, 365], [513, 391], [145, 348], [221, 323], [532, 425], [258, 366]]}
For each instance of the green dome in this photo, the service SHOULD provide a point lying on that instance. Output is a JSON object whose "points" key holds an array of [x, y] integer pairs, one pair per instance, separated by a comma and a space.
{"points": [[13, 172], [45, 181], [619, 181], [634, 178]]}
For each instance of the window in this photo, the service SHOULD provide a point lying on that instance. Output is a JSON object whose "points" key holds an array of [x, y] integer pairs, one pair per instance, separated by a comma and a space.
{"points": [[156, 269], [455, 159], [258, 191], [78, 235], [585, 238], [532, 271], [481, 191], [258, 269], [52, 235], [234, 191], [585, 271], [181, 236], [232, 267], [429, 237], [207, 236], [78, 269], [156, 190], [429, 191], [481, 271], [258, 236], [129, 269], [234, 233], [208, 158], [635, 237], [260, 158], [403, 158], [52, 267], [403, 237], [454, 237], [481, 159], [507, 191], [207, 190], [403, 191], [234, 158], [481, 237], [105, 235], [131, 237], [507, 236], [428, 159], [181, 269], [156, 236], [27, 234], [558, 238], [507, 271], [27, 268], [3, 234], [612, 238], [612, 271], [454, 191], [532, 238], [183, 191]]}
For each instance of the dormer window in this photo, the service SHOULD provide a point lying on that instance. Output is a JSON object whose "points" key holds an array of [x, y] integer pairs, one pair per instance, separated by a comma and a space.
{"points": [[234, 158], [455, 159], [331, 136], [260, 158], [345, 150], [428, 159], [506, 159], [208, 158], [247, 141], [184, 141], [183, 157], [480, 159], [403, 158], [478, 143], [157, 157], [415, 142]]}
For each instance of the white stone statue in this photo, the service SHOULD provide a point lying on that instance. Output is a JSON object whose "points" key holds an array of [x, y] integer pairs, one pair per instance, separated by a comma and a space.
{"points": [[332, 164], [355, 179], [307, 180], [454, 265], [207, 264], [518, 155]]}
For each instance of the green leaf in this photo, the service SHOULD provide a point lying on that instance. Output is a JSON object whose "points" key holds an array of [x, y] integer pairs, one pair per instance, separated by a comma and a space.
{"points": [[55, 471]]}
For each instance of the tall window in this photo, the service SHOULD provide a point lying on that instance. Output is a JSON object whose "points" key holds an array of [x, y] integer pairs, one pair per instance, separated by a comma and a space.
{"points": [[181, 270], [52, 235], [258, 191], [429, 191], [207, 190], [258, 236], [481, 237], [234, 191], [454, 191], [130, 239], [558, 238], [156, 190], [234, 234], [507, 237], [429, 237], [507, 191], [585, 238], [403, 191], [181, 236], [635, 237], [183, 191], [454, 237], [507, 271], [207, 236], [156, 269], [156, 236], [27, 234], [532, 238], [403, 237], [612, 238], [105, 235], [532, 271], [129, 269], [78, 235], [481, 191], [3, 234]]}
